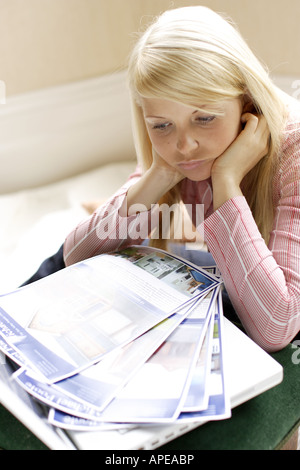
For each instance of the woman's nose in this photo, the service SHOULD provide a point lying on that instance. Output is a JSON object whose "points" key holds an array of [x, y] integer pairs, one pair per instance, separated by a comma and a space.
{"points": [[186, 143]]}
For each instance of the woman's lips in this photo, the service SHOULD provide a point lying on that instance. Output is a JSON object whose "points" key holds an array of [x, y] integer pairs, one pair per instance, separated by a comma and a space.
{"points": [[191, 165]]}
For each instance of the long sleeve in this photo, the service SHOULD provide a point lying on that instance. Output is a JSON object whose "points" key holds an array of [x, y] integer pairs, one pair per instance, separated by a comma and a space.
{"points": [[105, 230], [263, 282]]}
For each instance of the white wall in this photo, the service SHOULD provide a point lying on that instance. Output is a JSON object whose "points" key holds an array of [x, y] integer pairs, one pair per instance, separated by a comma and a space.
{"points": [[44, 43]]}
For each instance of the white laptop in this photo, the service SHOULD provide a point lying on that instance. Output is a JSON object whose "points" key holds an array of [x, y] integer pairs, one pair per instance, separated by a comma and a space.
{"points": [[249, 372]]}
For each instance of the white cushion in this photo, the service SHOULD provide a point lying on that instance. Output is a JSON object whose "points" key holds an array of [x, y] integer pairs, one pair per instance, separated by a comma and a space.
{"points": [[35, 222]]}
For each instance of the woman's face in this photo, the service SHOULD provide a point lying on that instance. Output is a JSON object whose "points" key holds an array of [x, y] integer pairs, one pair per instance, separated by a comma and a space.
{"points": [[189, 139]]}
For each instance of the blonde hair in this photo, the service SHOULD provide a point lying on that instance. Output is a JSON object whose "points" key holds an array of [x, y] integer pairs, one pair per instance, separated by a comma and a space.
{"points": [[193, 55]]}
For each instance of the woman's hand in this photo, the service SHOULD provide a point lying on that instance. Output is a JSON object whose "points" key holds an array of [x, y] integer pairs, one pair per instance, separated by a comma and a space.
{"points": [[166, 173], [250, 146], [153, 184]]}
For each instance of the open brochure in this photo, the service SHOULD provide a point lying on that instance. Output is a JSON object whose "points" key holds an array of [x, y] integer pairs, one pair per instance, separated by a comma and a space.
{"points": [[73, 318], [121, 339]]}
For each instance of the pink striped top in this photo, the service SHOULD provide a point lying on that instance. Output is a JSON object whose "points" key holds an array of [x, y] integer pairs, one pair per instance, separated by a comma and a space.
{"points": [[263, 282]]}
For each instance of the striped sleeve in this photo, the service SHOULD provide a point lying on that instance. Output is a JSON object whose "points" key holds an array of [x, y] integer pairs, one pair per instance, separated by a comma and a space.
{"points": [[262, 281]]}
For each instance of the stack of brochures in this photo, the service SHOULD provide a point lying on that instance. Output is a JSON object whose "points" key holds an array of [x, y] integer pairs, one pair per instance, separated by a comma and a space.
{"points": [[119, 339]]}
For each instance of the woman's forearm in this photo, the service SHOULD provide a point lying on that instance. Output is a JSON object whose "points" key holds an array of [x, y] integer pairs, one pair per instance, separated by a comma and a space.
{"points": [[224, 189], [230, 168]]}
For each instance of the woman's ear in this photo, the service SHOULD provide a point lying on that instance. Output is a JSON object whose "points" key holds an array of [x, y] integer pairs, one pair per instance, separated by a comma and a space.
{"points": [[248, 106]]}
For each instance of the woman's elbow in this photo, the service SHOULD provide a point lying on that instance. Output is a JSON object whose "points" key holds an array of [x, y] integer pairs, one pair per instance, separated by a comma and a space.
{"points": [[273, 341]]}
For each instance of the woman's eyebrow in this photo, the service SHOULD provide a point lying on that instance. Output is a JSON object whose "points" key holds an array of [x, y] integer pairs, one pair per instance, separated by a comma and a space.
{"points": [[163, 117], [154, 117]]}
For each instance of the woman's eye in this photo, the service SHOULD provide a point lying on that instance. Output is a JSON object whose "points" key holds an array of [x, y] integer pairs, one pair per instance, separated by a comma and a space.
{"points": [[161, 127], [204, 120]]}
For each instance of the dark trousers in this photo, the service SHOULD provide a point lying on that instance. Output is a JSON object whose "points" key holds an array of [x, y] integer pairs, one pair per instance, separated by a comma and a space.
{"points": [[49, 266]]}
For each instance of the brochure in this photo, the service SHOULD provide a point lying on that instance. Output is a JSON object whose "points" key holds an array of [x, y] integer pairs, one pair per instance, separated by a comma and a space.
{"points": [[219, 402], [120, 340], [73, 318], [87, 393], [218, 406]]}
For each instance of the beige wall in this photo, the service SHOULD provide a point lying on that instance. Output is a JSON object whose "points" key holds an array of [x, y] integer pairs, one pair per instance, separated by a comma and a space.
{"points": [[50, 42]]}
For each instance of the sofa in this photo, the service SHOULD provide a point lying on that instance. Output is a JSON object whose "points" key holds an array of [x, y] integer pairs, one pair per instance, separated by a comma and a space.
{"points": [[60, 148]]}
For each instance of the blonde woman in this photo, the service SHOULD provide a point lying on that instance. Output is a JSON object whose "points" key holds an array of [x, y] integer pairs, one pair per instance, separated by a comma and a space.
{"points": [[213, 131]]}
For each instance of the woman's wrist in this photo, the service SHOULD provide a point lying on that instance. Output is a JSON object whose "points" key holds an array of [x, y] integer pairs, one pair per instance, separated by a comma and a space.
{"points": [[224, 188]]}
